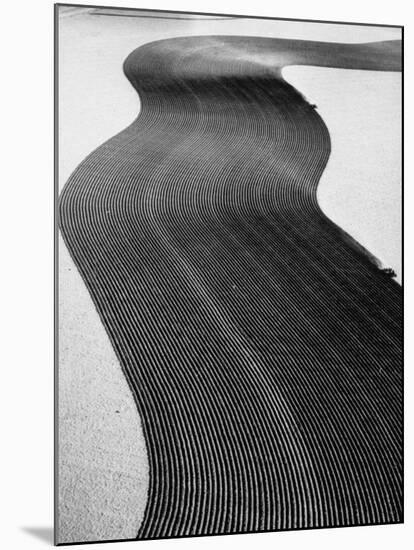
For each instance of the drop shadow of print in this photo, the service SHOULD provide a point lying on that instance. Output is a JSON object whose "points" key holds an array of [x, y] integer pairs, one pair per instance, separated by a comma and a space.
{"points": [[44, 534]]}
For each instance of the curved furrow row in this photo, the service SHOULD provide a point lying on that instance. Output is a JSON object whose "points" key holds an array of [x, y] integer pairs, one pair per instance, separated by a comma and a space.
{"points": [[262, 347]]}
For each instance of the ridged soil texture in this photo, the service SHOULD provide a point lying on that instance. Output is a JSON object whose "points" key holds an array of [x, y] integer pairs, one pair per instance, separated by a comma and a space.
{"points": [[262, 348]]}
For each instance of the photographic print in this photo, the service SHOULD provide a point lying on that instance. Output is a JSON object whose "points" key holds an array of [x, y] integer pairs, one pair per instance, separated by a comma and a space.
{"points": [[229, 271]]}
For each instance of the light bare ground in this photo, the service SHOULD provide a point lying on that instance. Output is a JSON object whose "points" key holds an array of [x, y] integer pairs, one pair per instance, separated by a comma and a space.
{"points": [[104, 477]]}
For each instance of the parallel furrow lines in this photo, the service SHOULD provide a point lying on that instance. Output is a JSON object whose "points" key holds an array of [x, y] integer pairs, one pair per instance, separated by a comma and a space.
{"points": [[263, 349]]}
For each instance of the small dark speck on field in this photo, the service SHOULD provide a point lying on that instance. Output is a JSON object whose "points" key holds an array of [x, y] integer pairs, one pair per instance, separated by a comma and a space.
{"points": [[117, 411]]}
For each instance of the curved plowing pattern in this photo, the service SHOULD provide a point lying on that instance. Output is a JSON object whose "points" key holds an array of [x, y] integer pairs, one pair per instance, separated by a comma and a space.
{"points": [[263, 349]]}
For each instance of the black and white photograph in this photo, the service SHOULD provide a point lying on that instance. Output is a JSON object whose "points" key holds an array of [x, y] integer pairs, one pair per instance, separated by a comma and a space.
{"points": [[205, 298], [229, 274]]}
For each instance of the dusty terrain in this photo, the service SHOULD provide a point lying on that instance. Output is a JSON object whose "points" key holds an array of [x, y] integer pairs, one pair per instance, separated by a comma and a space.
{"points": [[103, 460]]}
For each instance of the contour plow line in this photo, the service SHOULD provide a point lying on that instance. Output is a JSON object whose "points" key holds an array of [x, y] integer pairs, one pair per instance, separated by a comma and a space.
{"points": [[262, 346]]}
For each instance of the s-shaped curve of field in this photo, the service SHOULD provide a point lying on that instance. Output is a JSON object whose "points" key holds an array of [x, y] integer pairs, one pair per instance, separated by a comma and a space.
{"points": [[261, 343]]}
